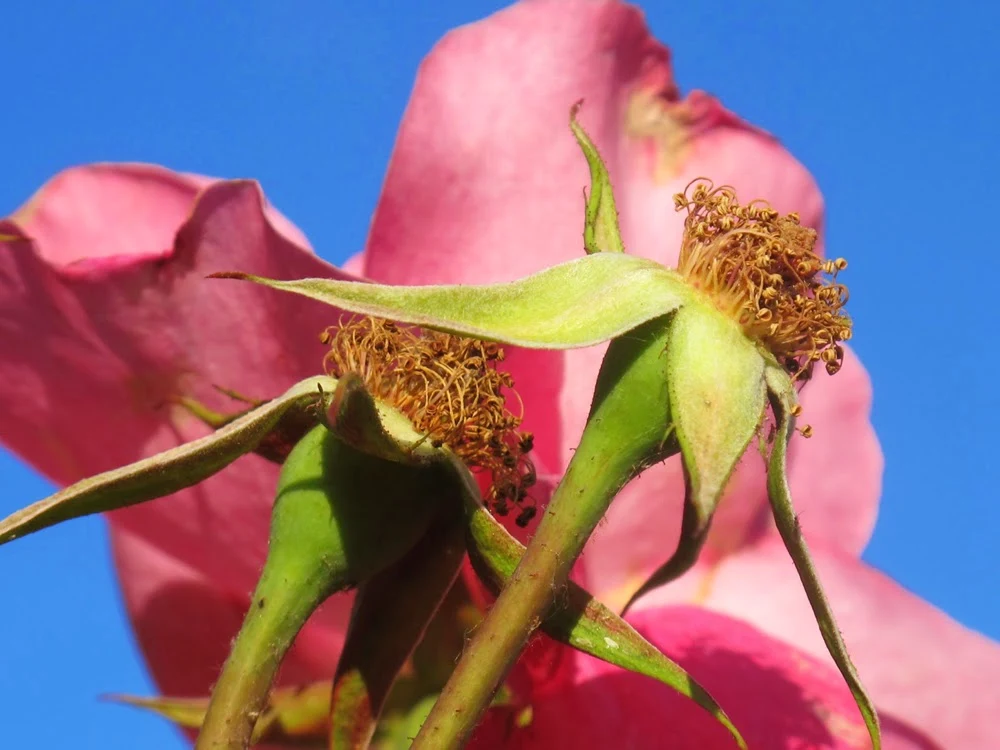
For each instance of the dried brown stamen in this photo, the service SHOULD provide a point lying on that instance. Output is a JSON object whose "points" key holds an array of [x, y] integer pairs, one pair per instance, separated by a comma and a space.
{"points": [[452, 391], [761, 269]]}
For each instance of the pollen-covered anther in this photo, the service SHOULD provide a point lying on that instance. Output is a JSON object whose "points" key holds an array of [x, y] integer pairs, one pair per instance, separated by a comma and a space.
{"points": [[452, 391], [761, 269]]}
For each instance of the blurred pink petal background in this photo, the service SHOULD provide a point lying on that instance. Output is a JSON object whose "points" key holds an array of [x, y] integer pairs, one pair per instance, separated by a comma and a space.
{"points": [[107, 263]]}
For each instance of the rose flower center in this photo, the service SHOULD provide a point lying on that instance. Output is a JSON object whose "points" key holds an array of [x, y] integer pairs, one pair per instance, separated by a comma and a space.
{"points": [[451, 390], [761, 269]]}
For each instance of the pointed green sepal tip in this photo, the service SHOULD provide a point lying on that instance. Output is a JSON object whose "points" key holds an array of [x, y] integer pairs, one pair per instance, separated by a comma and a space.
{"points": [[297, 715], [583, 302], [694, 532], [186, 713], [172, 470], [783, 399], [278, 443], [376, 428], [600, 230]]}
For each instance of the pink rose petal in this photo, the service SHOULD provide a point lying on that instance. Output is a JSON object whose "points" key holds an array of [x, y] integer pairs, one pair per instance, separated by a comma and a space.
{"points": [[97, 350], [117, 210], [485, 184], [779, 698], [185, 623], [935, 676], [486, 181], [479, 190]]}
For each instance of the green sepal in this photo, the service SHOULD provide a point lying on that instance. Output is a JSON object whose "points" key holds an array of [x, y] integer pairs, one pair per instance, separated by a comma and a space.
{"points": [[715, 376], [186, 713], [694, 532], [398, 732], [377, 428], [580, 303], [390, 615], [783, 399], [271, 429], [579, 620], [172, 470], [295, 716], [278, 443], [600, 233]]}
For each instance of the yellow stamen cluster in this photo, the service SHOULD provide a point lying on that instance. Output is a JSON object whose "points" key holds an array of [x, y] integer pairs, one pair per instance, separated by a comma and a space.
{"points": [[761, 269], [452, 391]]}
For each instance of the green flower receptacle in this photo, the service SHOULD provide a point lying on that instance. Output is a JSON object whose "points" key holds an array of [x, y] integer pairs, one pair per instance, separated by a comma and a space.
{"points": [[339, 517]]}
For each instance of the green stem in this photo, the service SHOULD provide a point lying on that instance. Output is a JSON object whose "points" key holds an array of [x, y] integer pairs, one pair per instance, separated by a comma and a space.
{"points": [[623, 435], [278, 611], [517, 612]]}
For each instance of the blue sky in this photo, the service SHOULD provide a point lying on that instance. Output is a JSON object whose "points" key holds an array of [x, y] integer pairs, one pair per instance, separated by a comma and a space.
{"points": [[888, 107]]}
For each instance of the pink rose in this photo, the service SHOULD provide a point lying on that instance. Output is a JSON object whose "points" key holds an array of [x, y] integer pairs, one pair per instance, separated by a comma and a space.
{"points": [[106, 265]]}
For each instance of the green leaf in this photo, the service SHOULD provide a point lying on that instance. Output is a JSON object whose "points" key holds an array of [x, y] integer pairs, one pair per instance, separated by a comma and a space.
{"points": [[783, 399], [580, 303], [170, 471], [390, 615], [600, 233], [581, 621]]}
